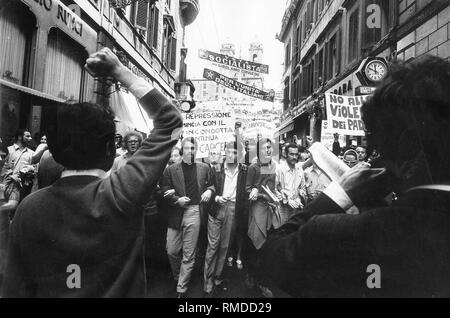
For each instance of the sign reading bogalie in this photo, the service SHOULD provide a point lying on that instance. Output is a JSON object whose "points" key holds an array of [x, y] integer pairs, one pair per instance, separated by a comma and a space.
{"points": [[233, 62], [344, 114], [210, 128], [237, 86]]}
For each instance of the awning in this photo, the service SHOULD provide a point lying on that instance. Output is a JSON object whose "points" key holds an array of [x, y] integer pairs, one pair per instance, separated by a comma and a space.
{"points": [[31, 91], [129, 112], [286, 129]]}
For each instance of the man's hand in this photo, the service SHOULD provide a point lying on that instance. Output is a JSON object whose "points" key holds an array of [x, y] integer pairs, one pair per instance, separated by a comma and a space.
{"points": [[361, 183], [206, 196], [220, 199], [169, 193], [253, 194], [104, 63], [183, 201]]}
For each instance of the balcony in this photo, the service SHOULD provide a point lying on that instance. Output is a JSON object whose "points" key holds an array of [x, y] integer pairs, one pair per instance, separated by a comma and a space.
{"points": [[189, 10]]}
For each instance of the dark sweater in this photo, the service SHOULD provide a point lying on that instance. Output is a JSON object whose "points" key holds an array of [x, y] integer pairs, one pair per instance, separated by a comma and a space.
{"points": [[190, 182], [94, 223]]}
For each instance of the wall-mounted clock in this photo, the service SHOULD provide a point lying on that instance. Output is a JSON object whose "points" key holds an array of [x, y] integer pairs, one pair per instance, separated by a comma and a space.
{"points": [[375, 70]]}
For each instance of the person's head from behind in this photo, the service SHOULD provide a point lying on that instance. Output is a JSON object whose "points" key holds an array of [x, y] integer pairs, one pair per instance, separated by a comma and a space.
{"points": [[132, 141], [82, 137], [23, 137], [408, 121], [292, 154], [175, 156], [362, 154], [189, 149], [350, 158]]}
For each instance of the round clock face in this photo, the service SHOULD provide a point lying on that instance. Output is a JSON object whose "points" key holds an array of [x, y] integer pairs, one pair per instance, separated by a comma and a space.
{"points": [[375, 71]]}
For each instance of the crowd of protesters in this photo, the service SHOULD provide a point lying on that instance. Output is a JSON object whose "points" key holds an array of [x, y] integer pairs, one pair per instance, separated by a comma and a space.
{"points": [[116, 206]]}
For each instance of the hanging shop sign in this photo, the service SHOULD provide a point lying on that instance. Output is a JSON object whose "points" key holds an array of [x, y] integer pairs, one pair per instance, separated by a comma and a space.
{"points": [[53, 13], [237, 86], [344, 114], [210, 129], [233, 62]]}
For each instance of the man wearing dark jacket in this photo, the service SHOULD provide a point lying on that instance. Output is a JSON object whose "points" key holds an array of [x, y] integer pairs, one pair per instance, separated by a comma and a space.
{"points": [[399, 249], [193, 183], [83, 236], [228, 206]]}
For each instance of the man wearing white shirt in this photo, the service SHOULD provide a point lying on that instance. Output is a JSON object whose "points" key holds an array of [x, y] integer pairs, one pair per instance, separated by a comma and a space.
{"points": [[290, 183], [229, 203]]}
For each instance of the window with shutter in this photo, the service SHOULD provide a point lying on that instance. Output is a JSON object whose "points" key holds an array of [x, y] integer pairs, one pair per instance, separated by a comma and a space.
{"points": [[141, 14], [339, 50], [310, 15], [152, 36], [173, 53], [155, 29], [320, 75], [316, 71], [353, 35], [316, 10]]}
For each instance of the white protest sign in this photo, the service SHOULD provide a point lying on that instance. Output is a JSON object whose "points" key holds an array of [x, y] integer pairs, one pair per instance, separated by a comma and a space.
{"points": [[327, 136], [344, 114], [210, 128]]}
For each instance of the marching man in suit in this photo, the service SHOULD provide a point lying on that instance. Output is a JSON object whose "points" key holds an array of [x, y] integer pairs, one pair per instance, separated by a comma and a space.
{"points": [[194, 185]]}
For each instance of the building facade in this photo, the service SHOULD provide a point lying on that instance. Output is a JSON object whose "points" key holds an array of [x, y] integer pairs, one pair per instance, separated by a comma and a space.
{"points": [[44, 45], [327, 41]]}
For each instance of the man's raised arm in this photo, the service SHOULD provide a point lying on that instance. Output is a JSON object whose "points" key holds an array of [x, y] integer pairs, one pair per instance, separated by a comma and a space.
{"points": [[133, 183]]}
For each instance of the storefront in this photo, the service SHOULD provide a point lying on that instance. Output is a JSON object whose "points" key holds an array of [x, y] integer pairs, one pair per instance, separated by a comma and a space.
{"points": [[43, 46]]}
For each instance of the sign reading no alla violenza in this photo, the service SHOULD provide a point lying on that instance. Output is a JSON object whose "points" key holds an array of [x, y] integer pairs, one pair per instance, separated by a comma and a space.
{"points": [[344, 114]]}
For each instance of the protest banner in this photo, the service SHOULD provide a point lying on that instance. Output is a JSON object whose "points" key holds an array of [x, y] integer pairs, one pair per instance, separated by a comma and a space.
{"points": [[233, 62], [210, 128], [237, 86], [344, 114]]}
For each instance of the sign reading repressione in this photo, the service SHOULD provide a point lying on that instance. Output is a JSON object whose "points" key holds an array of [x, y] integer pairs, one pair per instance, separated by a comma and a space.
{"points": [[237, 86], [344, 114], [210, 129]]}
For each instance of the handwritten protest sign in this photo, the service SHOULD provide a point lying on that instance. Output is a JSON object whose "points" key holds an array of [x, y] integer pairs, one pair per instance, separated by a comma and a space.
{"points": [[210, 128], [344, 114], [327, 137]]}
